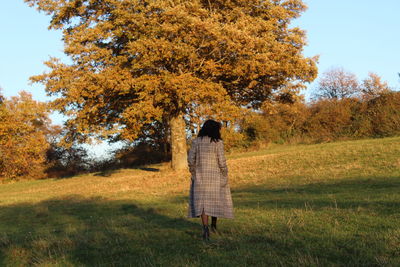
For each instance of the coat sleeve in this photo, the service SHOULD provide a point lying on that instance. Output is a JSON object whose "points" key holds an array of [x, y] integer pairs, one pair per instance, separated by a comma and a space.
{"points": [[192, 157], [222, 161]]}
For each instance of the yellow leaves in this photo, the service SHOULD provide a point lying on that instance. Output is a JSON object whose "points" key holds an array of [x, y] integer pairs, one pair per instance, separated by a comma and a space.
{"points": [[373, 86], [134, 62], [24, 124]]}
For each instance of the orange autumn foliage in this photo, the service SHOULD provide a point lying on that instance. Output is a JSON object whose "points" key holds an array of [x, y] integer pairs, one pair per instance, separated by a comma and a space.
{"points": [[135, 62], [24, 124]]}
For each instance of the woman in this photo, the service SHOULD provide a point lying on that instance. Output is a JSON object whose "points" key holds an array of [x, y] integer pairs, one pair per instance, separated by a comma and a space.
{"points": [[210, 194]]}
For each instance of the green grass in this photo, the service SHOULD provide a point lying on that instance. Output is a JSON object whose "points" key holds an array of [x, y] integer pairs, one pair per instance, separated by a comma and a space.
{"points": [[329, 204]]}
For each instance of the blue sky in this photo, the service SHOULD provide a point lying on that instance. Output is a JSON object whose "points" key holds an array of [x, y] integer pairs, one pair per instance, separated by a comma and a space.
{"points": [[358, 35]]}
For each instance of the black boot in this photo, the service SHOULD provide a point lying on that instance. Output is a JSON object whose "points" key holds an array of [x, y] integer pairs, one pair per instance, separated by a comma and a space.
{"points": [[206, 233], [213, 224]]}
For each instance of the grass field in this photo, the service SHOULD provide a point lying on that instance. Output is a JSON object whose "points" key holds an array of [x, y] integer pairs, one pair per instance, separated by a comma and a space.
{"points": [[329, 204]]}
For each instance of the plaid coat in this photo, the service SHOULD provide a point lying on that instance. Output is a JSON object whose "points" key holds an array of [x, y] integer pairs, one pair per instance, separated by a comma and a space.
{"points": [[209, 190]]}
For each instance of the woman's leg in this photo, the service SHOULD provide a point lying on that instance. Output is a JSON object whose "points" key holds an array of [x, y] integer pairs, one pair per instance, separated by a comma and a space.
{"points": [[204, 220], [214, 223]]}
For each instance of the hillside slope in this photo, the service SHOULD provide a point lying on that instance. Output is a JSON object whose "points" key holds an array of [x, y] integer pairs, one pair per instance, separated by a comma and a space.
{"points": [[325, 204]]}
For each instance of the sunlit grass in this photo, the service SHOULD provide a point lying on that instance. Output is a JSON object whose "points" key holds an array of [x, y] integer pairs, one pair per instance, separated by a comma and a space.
{"points": [[300, 205]]}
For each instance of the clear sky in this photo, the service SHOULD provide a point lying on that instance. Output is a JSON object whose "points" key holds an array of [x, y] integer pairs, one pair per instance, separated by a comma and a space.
{"points": [[358, 35]]}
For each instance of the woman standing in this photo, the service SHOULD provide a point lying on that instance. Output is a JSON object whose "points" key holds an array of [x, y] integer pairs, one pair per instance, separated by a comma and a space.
{"points": [[210, 194]]}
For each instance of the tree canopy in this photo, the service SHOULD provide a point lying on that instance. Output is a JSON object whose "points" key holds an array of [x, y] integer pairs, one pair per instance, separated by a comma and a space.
{"points": [[337, 83], [24, 124], [373, 86], [139, 61]]}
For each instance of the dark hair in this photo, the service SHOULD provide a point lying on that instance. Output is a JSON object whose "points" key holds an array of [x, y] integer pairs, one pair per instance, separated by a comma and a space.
{"points": [[211, 129]]}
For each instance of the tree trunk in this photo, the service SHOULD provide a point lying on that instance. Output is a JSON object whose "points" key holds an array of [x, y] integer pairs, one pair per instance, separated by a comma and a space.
{"points": [[178, 143]]}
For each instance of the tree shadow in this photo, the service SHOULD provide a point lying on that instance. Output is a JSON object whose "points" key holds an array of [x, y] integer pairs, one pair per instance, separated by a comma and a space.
{"points": [[148, 169], [80, 231], [110, 172], [370, 193], [90, 232], [106, 173]]}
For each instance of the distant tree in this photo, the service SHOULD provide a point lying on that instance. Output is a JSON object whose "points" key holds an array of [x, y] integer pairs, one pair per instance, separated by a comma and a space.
{"points": [[24, 125], [135, 62], [337, 83], [373, 86]]}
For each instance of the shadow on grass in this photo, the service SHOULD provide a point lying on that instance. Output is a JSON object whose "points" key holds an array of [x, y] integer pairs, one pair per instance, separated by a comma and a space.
{"points": [[373, 194], [106, 173], [82, 231], [148, 169], [110, 172], [91, 232]]}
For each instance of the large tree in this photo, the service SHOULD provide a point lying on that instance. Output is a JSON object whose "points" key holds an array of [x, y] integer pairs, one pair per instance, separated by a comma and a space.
{"points": [[139, 61]]}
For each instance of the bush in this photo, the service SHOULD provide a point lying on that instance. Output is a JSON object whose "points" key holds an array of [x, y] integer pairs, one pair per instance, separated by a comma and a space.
{"points": [[384, 114], [232, 138], [324, 120], [139, 154], [330, 119], [70, 161], [286, 119]]}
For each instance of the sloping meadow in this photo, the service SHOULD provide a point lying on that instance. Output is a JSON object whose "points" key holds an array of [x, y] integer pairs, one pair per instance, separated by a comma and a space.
{"points": [[303, 205]]}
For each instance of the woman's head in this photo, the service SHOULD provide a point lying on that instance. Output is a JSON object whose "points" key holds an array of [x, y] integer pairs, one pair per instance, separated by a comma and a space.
{"points": [[211, 129]]}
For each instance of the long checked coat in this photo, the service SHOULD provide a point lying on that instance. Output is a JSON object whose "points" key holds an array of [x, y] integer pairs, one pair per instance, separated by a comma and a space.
{"points": [[209, 190]]}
